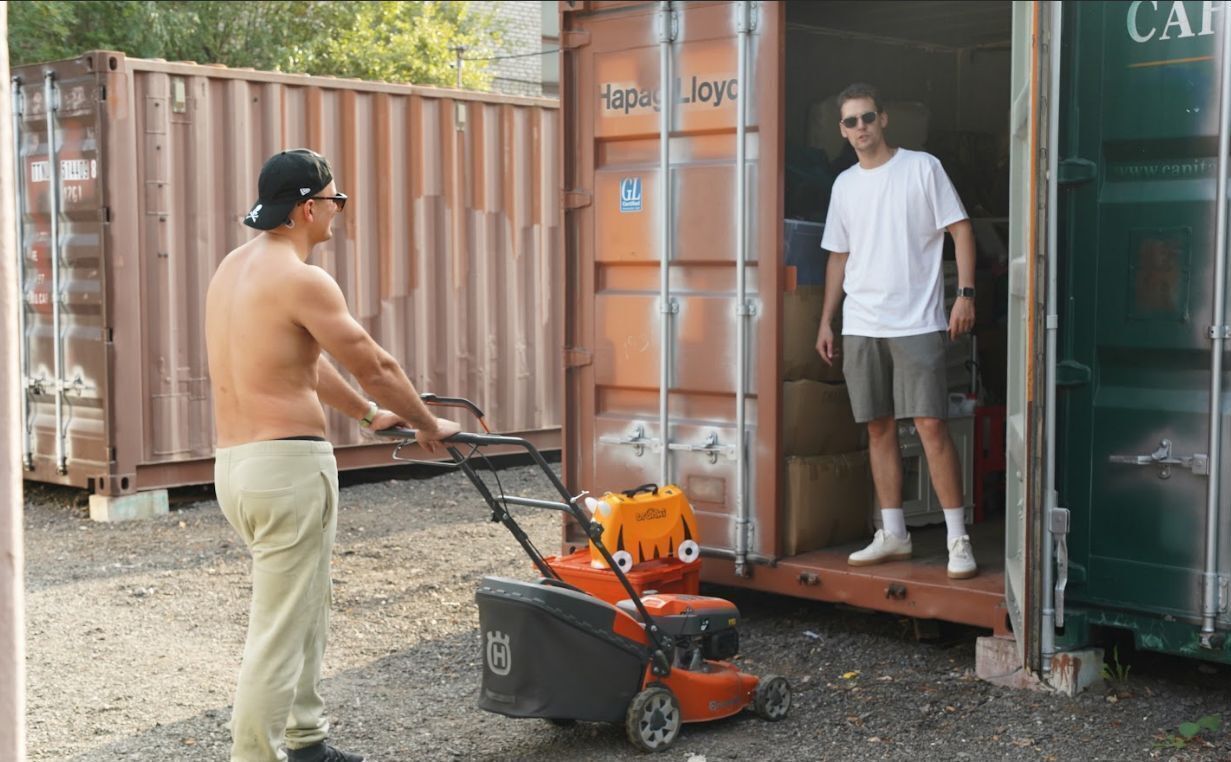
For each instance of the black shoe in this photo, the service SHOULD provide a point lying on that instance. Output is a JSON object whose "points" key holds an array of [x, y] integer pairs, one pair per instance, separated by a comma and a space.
{"points": [[320, 752]]}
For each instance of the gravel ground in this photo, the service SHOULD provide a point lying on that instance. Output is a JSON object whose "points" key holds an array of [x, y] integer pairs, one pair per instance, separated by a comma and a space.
{"points": [[135, 632]]}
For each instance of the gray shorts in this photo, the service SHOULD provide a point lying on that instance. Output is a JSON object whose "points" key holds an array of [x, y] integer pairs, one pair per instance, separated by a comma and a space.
{"points": [[902, 377]]}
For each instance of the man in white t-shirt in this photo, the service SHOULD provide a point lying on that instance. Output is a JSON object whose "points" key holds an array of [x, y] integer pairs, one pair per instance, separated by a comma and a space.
{"points": [[885, 232]]}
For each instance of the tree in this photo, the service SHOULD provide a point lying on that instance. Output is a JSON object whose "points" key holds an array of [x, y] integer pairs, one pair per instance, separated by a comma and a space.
{"points": [[367, 39], [41, 30], [405, 42]]}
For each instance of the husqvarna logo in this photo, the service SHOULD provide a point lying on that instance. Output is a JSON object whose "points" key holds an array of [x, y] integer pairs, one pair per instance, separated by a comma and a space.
{"points": [[630, 194], [499, 658]]}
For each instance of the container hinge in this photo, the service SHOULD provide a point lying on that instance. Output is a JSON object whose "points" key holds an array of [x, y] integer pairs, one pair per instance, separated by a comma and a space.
{"points": [[1059, 526], [1198, 463], [746, 23], [1220, 332], [667, 25], [1076, 171], [637, 440], [670, 307], [104, 214], [747, 309], [1070, 373], [576, 199], [1224, 594], [709, 446], [571, 39], [577, 357]]}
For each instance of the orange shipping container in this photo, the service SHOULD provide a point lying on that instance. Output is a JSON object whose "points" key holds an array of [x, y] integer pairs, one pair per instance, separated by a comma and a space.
{"points": [[132, 186]]}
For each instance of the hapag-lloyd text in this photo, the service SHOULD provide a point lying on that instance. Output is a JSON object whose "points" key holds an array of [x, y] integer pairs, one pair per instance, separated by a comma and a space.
{"points": [[629, 98]]}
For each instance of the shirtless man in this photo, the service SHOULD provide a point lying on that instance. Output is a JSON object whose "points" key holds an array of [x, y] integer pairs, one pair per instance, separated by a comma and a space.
{"points": [[268, 316]]}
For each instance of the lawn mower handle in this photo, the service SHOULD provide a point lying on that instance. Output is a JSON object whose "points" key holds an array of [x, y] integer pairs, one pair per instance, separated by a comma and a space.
{"points": [[569, 505]]}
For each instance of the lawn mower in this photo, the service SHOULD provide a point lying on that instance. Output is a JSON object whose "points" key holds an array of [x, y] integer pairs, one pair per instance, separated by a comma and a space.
{"points": [[552, 651]]}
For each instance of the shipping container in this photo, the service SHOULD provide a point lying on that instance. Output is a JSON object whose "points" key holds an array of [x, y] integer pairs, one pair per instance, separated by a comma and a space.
{"points": [[134, 177], [1087, 142]]}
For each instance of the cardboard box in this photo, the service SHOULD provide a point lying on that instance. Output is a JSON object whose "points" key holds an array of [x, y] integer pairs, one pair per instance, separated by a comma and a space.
{"points": [[817, 419], [801, 319], [827, 500]]}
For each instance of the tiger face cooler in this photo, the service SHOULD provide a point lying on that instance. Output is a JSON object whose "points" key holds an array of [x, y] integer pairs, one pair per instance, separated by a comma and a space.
{"points": [[652, 535]]}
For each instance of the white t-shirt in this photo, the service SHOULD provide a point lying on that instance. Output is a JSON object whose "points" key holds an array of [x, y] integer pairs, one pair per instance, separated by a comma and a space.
{"points": [[892, 221]]}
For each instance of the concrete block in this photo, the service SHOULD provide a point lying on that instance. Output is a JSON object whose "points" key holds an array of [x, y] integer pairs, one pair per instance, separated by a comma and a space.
{"points": [[997, 662], [141, 505], [1074, 671]]}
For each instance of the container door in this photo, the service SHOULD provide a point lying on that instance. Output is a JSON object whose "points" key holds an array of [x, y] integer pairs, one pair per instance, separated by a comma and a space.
{"points": [[1140, 150], [619, 227], [63, 218], [1027, 309]]}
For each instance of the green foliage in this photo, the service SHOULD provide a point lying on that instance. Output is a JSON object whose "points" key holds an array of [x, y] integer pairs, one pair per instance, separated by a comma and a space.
{"points": [[366, 39], [1115, 671], [1189, 732], [45, 30], [406, 42]]}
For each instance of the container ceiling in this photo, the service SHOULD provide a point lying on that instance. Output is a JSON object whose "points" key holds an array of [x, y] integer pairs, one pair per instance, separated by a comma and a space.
{"points": [[944, 24]]}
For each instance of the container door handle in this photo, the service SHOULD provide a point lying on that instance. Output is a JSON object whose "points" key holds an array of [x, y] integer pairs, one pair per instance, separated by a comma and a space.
{"points": [[709, 446], [1060, 531], [1198, 463], [637, 440]]}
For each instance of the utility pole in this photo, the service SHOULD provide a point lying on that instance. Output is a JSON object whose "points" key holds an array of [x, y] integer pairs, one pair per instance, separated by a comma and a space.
{"points": [[457, 51], [12, 608]]}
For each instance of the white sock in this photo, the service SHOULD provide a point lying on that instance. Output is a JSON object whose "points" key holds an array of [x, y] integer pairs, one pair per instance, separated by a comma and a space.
{"points": [[895, 522], [955, 522]]}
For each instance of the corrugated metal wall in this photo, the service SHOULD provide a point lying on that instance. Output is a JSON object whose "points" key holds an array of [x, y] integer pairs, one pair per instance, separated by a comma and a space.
{"points": [[448, 251]]}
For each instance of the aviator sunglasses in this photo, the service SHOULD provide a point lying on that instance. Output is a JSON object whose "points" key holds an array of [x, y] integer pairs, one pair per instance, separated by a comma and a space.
{"points": [[868, 117]]}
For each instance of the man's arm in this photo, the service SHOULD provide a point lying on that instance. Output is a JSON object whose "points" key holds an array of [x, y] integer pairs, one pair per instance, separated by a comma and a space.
{"points": [[318, 305], [835, 272], [335, 392], [962, 319]]}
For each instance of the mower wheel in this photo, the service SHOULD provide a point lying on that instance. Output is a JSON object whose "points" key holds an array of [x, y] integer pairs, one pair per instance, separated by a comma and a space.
{"points": [[773, 699], [653, 720]]}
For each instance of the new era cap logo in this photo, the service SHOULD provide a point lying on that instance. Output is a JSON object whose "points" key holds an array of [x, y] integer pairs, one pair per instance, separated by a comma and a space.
{"points": [[304, 191]]}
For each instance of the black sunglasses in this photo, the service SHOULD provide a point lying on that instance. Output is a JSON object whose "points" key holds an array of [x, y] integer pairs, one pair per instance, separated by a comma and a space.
{"points": [[339, 199], [868, 117]]}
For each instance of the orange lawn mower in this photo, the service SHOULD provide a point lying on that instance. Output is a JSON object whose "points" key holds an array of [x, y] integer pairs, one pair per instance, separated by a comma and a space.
{"points": [[555, 652]]}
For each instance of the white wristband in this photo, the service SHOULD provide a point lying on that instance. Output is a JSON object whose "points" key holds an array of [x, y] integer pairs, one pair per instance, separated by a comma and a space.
{"points": [[373, 409]]}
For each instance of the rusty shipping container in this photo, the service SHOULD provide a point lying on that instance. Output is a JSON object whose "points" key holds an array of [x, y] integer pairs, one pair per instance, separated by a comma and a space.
{"points": [[133, 178], [700, 143]]}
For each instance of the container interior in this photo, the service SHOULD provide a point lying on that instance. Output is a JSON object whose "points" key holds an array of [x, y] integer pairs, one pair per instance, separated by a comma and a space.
{"points": [[943, 72]]}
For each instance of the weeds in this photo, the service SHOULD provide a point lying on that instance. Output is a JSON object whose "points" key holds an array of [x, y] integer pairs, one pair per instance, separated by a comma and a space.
{"points": [[1189, 732], [1115, 671]]}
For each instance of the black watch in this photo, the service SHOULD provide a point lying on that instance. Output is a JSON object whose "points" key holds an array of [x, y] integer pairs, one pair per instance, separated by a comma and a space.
{"points": [[967, 292]]}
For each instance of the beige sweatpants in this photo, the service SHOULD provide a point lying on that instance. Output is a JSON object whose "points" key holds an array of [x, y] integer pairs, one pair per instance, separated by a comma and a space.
{"points": [[281, 497]]}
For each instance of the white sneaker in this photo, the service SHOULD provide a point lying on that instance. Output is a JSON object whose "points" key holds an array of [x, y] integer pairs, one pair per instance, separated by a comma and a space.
{"points": [[961, 558], [884, 547]]}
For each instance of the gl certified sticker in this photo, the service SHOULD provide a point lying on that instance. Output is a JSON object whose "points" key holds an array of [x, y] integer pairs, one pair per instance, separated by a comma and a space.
{"points": [[630, 194]]}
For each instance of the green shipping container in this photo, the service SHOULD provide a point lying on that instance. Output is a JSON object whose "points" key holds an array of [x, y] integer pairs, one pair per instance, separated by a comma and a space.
{"points": [[1138, 265]]}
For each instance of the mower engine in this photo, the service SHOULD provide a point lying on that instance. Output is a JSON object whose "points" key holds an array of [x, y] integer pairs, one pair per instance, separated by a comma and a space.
{"points": [[702, 628]]}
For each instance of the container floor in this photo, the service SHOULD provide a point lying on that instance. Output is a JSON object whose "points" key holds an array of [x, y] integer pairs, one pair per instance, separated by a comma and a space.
{"points": [[918, 588]]}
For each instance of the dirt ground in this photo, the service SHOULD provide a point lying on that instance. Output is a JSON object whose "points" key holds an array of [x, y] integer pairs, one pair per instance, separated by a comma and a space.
{"points": [[134, 633]]}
